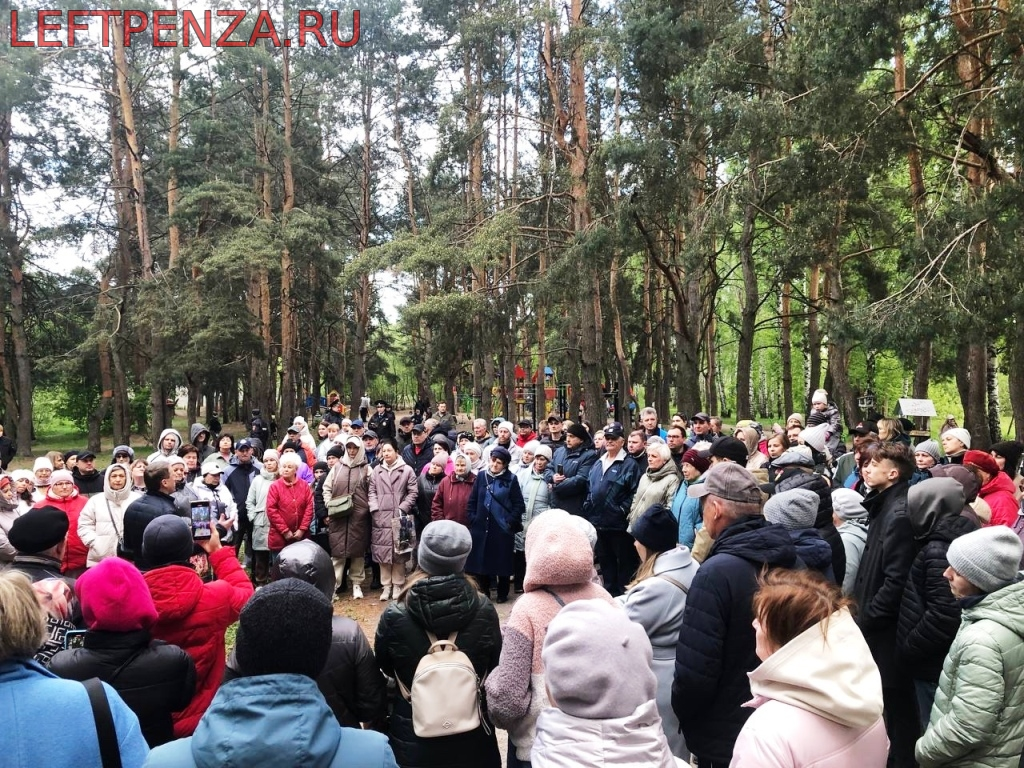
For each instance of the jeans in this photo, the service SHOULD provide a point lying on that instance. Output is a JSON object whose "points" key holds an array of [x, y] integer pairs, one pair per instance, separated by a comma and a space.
{"points": [[618, 560], [925, 698]]}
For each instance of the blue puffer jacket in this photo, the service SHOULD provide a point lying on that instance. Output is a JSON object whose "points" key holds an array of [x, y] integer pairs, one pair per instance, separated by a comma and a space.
{"points": [[279, 720], [716, 642], [572, 492], [611, 493], [687, 512]]}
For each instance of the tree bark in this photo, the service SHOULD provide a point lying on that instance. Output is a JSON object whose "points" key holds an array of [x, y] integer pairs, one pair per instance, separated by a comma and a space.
{"points": [[290, 395], [1015, 367], [785, 347]]}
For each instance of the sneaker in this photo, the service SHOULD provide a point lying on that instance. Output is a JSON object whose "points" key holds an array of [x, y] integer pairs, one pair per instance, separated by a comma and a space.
{"points": [[357, 593], [385, 595]]}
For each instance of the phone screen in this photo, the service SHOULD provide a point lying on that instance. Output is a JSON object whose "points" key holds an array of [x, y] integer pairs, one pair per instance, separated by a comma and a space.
{"points": [[75, 638], [201, 520]]}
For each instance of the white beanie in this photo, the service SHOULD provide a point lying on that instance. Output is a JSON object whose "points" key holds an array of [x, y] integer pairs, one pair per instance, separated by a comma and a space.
{"points": [[847, 504], [507, 425], [989, 558], [542, 450], [960, 434], [42, 463], [819, 396], [816, 437]]}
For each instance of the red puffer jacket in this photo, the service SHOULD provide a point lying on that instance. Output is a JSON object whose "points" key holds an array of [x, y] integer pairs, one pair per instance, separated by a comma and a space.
{"points": [[289, 508], [998, 494], [76, 554], [194, 616]]}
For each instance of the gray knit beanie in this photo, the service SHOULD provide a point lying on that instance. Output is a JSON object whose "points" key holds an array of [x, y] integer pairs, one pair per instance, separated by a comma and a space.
{"points": [[988, 558], [794, 509], [597, 663], [444, 547], [931, 448], [848, 504]]}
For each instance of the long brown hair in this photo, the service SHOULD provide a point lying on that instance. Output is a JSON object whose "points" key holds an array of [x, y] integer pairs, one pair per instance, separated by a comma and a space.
{"points": [[420, 574], [788, 603], [646, 569]]}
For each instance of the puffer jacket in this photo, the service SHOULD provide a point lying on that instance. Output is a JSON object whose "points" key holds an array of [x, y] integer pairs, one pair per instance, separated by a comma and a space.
{"points": [[803, 477], [536, 496], [195, 616], [349, 536], [256, 509], [442, 605], [716, 642], [351, 681], [392, 494], [495, 509], [452, 498], [76, 554], [813, 552], [818, 703], [611, 493], [657, 605], [426, 488], [656, 486], [101, 524], [565, 741], [559, 560], [884, 569], [299, 729], [289, 508], [687, 511], [998, 493], [576, 463], [977, 720], [154, 678], [929, 614]]}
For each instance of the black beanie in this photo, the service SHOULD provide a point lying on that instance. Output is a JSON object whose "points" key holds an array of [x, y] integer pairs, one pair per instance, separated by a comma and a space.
{"points": [[167, 540], [657, 529], [285, 628], [39, 530], [579, 432], [337, 451], [731, 448]]}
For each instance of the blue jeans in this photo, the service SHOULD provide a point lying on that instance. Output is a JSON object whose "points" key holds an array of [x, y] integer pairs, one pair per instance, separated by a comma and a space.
{"points": [[925, 698]]}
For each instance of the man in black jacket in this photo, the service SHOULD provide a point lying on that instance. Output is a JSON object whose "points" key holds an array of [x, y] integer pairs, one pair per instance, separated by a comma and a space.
{"points": [[88, 479], [716, 647], [7, 449], [419, 452], [155, 502], [881, 578], [572, 465], [237, 478]]}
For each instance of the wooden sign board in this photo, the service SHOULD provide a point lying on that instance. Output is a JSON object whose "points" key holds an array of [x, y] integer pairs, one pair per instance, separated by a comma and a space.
{"points": [[910, 407]]}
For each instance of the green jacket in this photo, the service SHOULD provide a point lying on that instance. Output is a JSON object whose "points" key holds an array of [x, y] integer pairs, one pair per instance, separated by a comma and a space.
{"points": [[977, 720]]}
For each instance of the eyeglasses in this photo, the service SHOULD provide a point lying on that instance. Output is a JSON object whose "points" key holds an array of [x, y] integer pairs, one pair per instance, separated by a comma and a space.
{"points": [[63, 482]]}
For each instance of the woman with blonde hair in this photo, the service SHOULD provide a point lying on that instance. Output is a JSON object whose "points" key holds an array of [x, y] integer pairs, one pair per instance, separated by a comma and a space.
{"points": [[817, 693], [34, 700]]}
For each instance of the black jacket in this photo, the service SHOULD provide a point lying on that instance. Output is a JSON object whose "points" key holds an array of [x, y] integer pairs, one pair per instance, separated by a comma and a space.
{"points": [[577, 463], [610, 493], [137, 516], [383, 424], [442, 604], [929, 614], [154, 678], [7, 451], [418, 460], [715, 650], [427, 488], [883, 572], [792, 477], [88, 485], [237, 481]]}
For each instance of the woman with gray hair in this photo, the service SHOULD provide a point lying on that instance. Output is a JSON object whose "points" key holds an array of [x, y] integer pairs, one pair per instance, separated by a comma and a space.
{"points": [[33, 700], [659, 483], [256, 506]]}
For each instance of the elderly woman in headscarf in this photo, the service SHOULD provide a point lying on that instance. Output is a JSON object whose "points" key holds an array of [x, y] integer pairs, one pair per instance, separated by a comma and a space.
{"points": [[505, 434], [452, 496], [535, 483], [349, 531], [475, 455]]}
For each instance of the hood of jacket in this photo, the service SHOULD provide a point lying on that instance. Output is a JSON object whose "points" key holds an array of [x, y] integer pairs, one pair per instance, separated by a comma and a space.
{"points": [[757, 541], [307, 561], [557, 552], [565, 741], [360, 457], [857, 529], [933, 500], [1004, 606], [399, 463], [240, 729], [160, 442], [176, 590], [195, 430], [967, 479], [442, 603], [117, 497], [827, 670], [812, 549], [666, 469]]}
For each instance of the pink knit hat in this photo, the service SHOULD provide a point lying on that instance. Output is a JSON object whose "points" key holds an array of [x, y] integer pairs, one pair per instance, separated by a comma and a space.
{"points": [[115, 598]]}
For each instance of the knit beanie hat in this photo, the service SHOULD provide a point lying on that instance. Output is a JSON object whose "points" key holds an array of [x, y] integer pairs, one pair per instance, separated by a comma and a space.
{"points": [[730, 448], [42, 463], [797, 417], [1011, 451], [123, 449], [61, 476], [285, 628], [794, 509], [440, 460], [322, 466], [816, 437], [989, 558], [542, 450], [931, 448], [847, 504], [579, 432], [167, 540], [115, 598], [597, 663], [38, 530], [983, 461], [695, 460], [337, 451], [819, 396], [960, 434], [444, 547], [656, 529], [270, 453]]}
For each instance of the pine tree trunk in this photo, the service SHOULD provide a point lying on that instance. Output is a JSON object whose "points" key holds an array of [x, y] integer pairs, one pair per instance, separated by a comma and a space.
{"points": [[786, 348], [290, 394]]}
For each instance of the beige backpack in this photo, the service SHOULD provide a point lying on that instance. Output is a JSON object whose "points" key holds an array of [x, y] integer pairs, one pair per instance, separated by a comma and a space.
{"points": [[445, 693]]}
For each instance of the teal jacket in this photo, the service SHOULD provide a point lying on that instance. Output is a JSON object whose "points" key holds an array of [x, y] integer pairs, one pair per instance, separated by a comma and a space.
{"points": [[687, 512], [977, 720], [273, 720]]}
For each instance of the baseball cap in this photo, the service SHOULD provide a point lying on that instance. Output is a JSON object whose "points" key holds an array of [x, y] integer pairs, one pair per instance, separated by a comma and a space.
{"points": [[211, 468], [701, 417], [727, 481], [243, 443], [357, 424], [405, 420], [553, 418], [614, 431], [418, 428], [369, 435], [86, 455], [864, 427]]}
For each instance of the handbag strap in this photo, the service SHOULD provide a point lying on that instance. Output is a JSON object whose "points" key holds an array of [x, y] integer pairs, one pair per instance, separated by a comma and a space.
{"points": [[110, 513], [670, 580], [110, 752], [558, 599]]}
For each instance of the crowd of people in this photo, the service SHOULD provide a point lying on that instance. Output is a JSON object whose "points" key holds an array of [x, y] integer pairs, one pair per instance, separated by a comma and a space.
{"points": [[682, 596]]}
